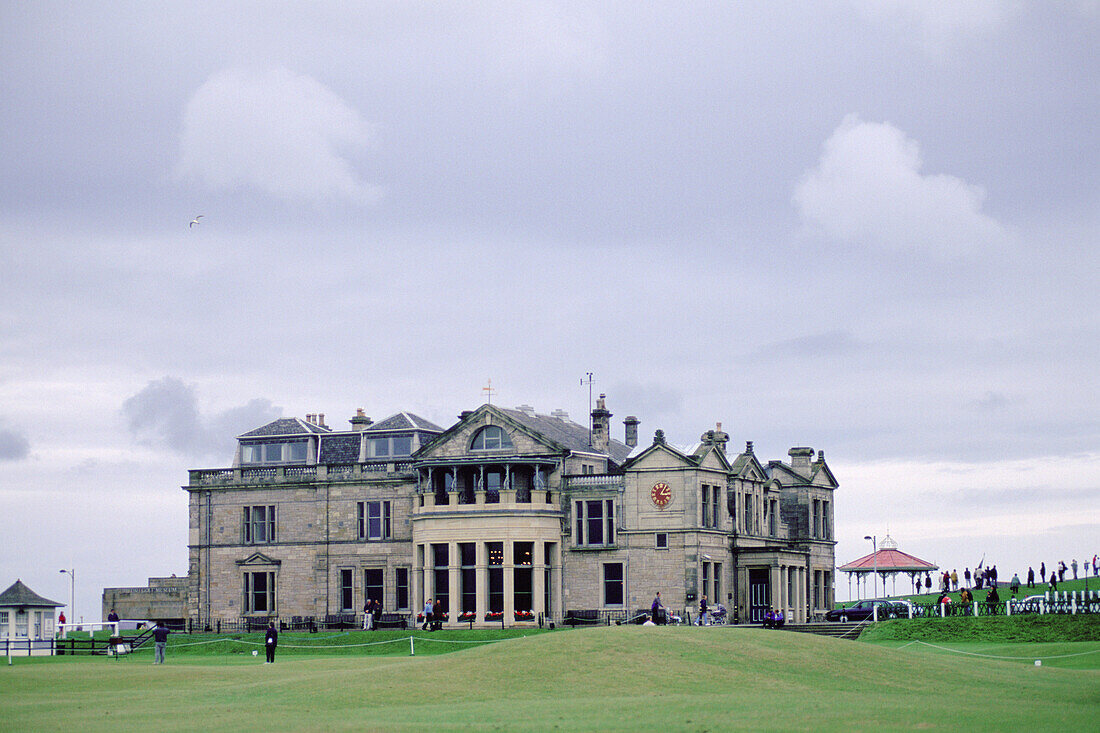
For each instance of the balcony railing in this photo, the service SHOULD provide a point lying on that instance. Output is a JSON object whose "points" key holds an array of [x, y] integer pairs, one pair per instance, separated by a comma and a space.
{"points": [[295, 474], [594, 481]]}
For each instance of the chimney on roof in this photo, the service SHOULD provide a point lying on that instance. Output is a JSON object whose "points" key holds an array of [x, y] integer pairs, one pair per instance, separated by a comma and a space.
{"points": [[631, 424], [800, 459], [321, 420], [309, 418], [601, 426], [560, 414], [526, 410], [748, 447], [360, 422], [465, 414]]}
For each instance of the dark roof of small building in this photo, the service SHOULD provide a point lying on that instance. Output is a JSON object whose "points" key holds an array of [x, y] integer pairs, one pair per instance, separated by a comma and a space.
{"points": [[341, 448], [565, 432], [20, 595], [404, 421], [287, 426]]}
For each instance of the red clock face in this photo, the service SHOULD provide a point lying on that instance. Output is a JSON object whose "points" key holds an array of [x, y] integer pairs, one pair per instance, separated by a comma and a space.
{"points": [[661, 494]]}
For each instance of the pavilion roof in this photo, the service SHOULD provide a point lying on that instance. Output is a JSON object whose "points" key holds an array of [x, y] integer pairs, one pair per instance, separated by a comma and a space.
{"points": [[888, 560]]}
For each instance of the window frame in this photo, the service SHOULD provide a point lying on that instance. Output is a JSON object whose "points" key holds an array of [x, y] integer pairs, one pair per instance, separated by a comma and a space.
{"points": [[610, 582], [251, 523], [270, 594], [384, 519], [584, 522], [502, 440]]}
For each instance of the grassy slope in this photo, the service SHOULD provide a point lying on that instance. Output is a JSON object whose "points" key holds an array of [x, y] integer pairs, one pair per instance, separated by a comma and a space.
{"points": [[1020, 628], [618, 678]]}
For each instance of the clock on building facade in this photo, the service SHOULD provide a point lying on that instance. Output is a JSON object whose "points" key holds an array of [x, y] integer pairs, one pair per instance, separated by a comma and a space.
{"points": [[660, 494]]}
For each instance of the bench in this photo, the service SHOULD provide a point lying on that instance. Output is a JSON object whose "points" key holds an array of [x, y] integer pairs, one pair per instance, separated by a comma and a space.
{"points": [[392, 621], [341, 621], [584, 617]]}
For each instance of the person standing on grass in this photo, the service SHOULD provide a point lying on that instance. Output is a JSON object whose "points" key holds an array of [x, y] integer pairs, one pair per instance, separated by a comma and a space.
{"points": [[427, 614], [1014, 586], [368, 615], [1074, 566], [966, 577], [1053, 580], [1030, 577], [1042, 571], [704, 618], [160, 641], [271, 640]]}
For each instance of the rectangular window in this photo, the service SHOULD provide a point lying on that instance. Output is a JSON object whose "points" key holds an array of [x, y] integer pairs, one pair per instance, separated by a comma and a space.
{"points": [[523, 558], [705, 589], [259, 524], [716, 519], [705, 493], [595, 522], [373, 585], [496, 576], [378, 447], [21, 624], [662, 541], [826, 528], [347, 589], [374, 520], [548, 576], [773, 518], [494, 482], [613, 584], [748, 513], [467, 552], [441, 574], [401, 585], [280, 452], [402, 445], [3, 624], [717, 594], [259, 593], [814, 521]]}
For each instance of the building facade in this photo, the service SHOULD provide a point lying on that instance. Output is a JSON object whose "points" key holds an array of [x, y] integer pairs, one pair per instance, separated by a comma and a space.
{"points": [[507, 515]]}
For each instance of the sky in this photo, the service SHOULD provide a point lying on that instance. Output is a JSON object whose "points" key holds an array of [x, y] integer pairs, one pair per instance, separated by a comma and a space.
{"points": [[868, 227]]}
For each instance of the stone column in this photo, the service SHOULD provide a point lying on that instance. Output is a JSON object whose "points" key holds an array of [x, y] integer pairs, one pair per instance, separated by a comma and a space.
{"points": [[538, 578], [509, 583], [481, 572], [454, 576], [776, 600]]}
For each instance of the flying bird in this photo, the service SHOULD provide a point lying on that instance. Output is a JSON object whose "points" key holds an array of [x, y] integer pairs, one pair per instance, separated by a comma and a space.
{"points": [[194, 221]]}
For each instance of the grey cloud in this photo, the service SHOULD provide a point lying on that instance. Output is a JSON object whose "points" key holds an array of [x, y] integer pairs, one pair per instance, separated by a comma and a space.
{"points": [[165, 413], [14, 446], [991, 499], [817, 344]]}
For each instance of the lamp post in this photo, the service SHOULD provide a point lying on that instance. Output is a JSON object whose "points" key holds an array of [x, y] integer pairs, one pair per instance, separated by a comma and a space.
{"points": [[72, 592], [874, 555]]}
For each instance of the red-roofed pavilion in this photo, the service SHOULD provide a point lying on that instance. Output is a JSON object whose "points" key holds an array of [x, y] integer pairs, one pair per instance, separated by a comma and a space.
{"points": [[888, 560]]}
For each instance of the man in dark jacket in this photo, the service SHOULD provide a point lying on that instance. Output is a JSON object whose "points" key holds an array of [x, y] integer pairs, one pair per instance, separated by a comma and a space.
{"points": [[160, 641], [271, 640]]}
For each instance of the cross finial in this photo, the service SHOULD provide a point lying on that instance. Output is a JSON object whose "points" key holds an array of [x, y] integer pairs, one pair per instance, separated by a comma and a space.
{"points": [[489, 391]]}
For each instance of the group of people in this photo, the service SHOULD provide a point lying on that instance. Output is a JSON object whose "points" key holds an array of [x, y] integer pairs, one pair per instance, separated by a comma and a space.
{"points": [[433, 615], [659, 615], [372, 611], [774, 619]]}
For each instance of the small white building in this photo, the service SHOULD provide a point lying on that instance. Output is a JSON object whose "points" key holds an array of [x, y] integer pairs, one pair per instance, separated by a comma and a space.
{"points": [[26, 621]]}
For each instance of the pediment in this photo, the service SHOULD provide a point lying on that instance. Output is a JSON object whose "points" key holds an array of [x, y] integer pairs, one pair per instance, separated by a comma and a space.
{"points": [[258, 558], [660, 455]]}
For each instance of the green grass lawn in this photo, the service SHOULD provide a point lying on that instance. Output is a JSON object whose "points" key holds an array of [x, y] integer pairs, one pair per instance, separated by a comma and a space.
{"points": [[608, 678]]}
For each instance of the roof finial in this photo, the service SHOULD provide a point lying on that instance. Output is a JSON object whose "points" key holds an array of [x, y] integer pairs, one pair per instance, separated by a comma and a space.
{"points": [[489, 391]]}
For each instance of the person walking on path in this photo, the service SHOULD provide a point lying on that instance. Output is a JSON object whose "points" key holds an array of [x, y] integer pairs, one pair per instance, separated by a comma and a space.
{"points": [[427, 614], [160, 641], [271, 640], [657, 611]]}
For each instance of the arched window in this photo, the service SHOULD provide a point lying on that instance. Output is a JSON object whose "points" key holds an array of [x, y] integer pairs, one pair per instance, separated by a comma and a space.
{"points": [[491, 437]]}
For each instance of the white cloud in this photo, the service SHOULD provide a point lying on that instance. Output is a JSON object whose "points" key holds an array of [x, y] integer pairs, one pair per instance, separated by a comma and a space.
{"points": [[277, 131], [868, 188]]}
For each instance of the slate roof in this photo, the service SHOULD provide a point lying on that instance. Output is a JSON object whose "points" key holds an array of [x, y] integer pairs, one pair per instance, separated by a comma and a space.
{"points": [[564, 432], [20, 595], [287, 426], [341, 448], [404, 421]]}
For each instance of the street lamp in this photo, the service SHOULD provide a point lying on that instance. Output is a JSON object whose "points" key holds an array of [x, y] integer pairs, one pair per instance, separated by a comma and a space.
{"points": [[72, 592], [874, 554]]}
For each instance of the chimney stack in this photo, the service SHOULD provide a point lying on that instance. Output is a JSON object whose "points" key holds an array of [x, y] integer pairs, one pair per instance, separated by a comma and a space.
{"points": [[360, 422], [631, 424], [800, 459], [601, 426], [321, 420]]}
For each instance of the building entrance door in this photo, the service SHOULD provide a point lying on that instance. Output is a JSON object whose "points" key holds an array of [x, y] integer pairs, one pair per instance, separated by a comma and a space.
{"points": [[759, 594]]}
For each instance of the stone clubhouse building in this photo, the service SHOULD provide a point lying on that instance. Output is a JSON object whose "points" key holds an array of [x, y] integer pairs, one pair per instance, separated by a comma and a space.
{"points": [[506, 516]]}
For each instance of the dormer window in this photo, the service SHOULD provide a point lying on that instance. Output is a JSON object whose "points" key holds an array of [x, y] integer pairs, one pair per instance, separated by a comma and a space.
{"points": [[491, 437], [274, 452], [390, 445]]}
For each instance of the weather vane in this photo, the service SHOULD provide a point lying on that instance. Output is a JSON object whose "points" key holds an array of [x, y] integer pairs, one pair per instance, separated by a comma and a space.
{"points": [[489, 391]]}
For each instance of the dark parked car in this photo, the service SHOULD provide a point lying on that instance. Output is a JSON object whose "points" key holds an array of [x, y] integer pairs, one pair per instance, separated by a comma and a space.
{"points": [[864, 611]]}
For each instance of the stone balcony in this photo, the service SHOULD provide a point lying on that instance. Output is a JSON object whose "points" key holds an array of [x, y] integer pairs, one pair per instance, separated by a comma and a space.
{"points": [[251, 475]]}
